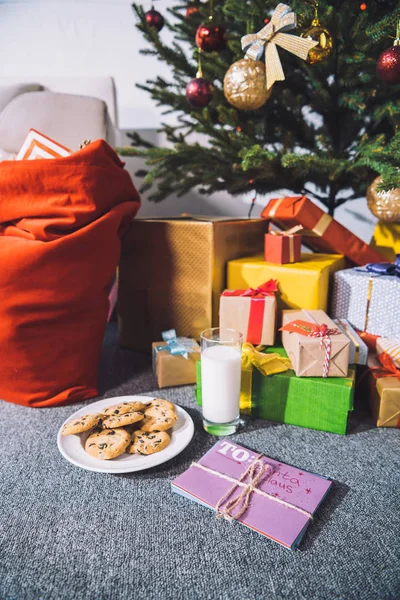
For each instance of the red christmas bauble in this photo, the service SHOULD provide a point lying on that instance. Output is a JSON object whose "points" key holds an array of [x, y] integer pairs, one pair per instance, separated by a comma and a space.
{"points": [[154, 19], [388, 66], [191, 10], [199, 92], [210, 38]]}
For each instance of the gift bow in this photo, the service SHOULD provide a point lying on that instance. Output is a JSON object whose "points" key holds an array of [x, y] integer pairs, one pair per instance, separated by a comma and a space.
{"points": [[322, 331], [385, 268], [266, 364], [389, 368], [270, 36], [289, 232], [266, 289], [177, 346]]}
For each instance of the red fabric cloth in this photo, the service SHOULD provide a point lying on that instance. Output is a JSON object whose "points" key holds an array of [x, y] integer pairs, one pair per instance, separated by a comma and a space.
{"points": [[60, 226]]}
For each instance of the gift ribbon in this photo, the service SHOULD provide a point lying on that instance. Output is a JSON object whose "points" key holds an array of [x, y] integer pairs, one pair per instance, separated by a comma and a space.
{"points": [[289, 233], [176, 346], [255, 473], [266, 364], [388, 369], [319, 228], [257, 305], [352, 338], [384, 268], [322, 331], [272, 35]]}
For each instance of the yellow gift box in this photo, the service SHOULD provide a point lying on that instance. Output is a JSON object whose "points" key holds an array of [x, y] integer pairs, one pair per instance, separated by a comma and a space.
{"points": [[386, 239], [301, 285]]}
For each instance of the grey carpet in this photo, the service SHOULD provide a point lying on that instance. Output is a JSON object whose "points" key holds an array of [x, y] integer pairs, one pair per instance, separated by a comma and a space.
{"points": [[71, 534]]}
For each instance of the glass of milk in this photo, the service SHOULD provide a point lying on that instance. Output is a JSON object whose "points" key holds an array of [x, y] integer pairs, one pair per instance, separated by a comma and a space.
{"points": [[221, 353]]}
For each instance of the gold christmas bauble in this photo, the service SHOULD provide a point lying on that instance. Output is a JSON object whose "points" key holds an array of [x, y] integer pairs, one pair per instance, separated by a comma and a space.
{"points": [[318, 34], [245, 85], [384, 205]]}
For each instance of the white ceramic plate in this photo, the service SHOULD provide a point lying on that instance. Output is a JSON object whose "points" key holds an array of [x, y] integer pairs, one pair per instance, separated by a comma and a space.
{"points": [[72, 446]]}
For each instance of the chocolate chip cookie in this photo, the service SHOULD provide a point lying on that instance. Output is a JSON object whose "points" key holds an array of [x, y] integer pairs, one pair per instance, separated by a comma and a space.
{"points": [[144, 442], [81, 424], [107, 444], [161, 404], [158, 422], [122, 420], [124, 407]]}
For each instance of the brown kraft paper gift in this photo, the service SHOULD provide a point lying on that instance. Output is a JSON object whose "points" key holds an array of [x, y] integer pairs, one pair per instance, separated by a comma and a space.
{"points": [[253, 316], [172, 272], [174, 370], [308, 354]]}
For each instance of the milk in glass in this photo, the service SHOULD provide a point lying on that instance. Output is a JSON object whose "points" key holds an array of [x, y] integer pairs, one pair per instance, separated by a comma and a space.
{"points": [[220, 376]]}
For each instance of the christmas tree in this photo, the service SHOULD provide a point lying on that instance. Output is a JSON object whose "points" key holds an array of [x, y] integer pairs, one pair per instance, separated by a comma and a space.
{"points": [[326, 129]]}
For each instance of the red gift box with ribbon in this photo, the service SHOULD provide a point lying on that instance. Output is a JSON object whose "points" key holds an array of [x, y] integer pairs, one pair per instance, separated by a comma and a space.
{"points": [[328, 235], [251, 312], [281, 247]]}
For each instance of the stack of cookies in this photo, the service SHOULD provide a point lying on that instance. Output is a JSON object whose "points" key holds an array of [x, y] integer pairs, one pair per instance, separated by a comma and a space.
{"points": [[132, 427]]}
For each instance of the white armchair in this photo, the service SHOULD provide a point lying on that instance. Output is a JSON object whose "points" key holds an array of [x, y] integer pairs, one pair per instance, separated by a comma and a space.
{"points": [[88, 112]]}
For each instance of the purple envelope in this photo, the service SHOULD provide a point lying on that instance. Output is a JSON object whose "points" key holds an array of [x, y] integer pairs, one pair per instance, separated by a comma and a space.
{"points": [[280, 505]]}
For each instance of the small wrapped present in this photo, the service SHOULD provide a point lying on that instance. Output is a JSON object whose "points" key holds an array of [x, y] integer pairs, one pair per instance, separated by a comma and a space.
{"points": [[369, 298], [174, 360], [176, 281], [386, 239], [327, 234], [385, 396], [358, 348], [251, 311], [301, 285], [314, 345], [282, 247], [38, 145], [311, 402], [391, 348]]}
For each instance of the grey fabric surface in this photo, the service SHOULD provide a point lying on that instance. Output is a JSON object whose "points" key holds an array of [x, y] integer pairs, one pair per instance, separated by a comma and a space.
{"points": [[67, 533]]}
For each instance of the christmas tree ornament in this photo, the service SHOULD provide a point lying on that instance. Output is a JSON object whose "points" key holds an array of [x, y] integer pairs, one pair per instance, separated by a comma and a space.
{"points": [[199, 91], [154, 19], [388, 65], [384, 205], [245, 85], [317, 33], [273, 35], [210, 37]]}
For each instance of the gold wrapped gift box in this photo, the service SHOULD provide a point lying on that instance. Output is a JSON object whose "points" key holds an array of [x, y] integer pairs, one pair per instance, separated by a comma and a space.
{"points": [[172, 272], [385, 401]]}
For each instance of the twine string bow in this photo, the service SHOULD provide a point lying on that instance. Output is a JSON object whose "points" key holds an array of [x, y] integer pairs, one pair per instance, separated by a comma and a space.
{"points": [[255, 473], [272, 35], [322, 331]]}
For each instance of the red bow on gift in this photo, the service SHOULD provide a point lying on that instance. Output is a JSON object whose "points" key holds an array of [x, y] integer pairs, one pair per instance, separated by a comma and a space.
{"points": [[266, 289], [389, 368]]}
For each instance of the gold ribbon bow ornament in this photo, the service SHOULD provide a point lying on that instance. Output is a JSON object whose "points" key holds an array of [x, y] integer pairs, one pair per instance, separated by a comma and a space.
{"points": [[271, 36]]}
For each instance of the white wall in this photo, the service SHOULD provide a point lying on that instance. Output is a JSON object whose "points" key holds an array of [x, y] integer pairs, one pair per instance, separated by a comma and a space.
{"points": [[98, 37]]}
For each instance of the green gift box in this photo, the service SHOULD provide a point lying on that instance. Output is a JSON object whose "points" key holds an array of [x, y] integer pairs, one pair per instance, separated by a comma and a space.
{"points": [[312, 402]]}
